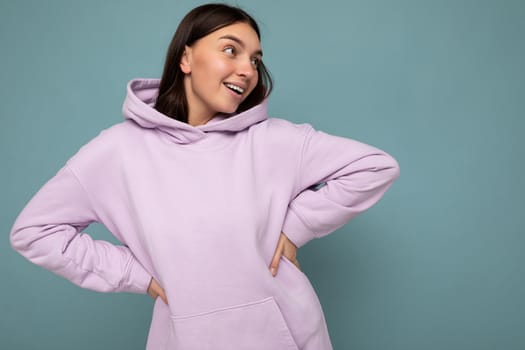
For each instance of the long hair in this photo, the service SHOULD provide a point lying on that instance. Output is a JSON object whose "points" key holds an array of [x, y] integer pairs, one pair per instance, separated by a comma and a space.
{"points": [[199, 22]]}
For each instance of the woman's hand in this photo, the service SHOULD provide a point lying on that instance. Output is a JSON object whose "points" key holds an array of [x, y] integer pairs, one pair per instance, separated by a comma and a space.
{"points": [[288, 249], [155, 290]]}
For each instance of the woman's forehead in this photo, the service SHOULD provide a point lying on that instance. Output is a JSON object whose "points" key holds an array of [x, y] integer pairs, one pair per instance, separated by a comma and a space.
{"points": [[242, 33]]}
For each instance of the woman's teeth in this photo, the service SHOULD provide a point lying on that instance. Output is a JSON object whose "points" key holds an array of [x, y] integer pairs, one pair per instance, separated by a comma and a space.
{"points": [[234, 88]]}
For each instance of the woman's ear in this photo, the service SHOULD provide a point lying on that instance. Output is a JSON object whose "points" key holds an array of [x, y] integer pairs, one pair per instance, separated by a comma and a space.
{"points": [[185, 60]]}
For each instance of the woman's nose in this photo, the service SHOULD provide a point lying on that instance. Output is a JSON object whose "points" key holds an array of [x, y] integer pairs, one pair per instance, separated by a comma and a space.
{"points": [[246, 68]]}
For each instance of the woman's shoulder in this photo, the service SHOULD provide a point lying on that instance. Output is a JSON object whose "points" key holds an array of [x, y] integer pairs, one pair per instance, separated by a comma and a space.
{"points": [[287, 127], [105, 146], [280, 134]]}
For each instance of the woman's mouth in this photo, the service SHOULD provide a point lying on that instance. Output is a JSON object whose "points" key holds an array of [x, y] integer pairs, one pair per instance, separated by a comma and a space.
{"points": [[235, 88]]}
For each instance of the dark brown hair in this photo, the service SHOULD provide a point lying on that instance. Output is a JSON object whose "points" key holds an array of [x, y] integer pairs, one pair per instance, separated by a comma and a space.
{"points": [[198, 23]]}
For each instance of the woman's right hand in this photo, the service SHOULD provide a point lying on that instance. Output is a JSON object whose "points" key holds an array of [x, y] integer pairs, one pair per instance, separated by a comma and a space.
{"points": [[155, 290]]}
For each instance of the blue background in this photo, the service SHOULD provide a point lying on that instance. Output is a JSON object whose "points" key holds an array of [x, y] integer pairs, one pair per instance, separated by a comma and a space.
{"points": [[437, 264]]}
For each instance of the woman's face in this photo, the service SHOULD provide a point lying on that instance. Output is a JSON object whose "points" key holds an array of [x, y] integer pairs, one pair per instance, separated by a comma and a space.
{"points": [[220, 71]]}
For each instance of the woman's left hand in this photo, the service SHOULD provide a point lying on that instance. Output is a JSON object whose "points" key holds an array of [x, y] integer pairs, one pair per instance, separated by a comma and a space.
{"points": [[288, 249]]}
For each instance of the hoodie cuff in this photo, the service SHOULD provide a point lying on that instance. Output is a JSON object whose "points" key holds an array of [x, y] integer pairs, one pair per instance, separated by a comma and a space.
{"points": [[138, 279], [296, 230]]}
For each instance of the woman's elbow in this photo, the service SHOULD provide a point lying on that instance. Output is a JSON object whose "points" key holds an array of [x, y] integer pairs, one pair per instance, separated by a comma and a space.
{"points": [[18, 238], [392, 169]]}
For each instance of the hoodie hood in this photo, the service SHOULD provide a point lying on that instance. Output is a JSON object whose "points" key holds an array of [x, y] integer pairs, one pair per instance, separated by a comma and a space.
{"points": [[142, 95]]}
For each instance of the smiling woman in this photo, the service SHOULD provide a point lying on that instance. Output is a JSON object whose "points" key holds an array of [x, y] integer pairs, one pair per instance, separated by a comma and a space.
{"points": [[188, 187], [220, 71], [223, 33]]}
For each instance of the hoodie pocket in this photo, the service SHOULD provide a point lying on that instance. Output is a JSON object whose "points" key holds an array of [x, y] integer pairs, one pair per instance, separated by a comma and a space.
{"points": [[257, 325]]}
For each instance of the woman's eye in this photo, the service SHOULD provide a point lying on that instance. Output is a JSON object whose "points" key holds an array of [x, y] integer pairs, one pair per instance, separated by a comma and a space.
{"points": [[230, 50], [256, 61]]}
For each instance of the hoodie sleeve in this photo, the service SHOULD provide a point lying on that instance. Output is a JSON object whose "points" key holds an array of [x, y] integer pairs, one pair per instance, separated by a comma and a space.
{"points": [[49, 233], [338, 178]]}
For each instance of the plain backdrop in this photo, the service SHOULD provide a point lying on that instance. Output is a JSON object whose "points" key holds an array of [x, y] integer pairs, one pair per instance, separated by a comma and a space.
{"points": [[440, 85]]}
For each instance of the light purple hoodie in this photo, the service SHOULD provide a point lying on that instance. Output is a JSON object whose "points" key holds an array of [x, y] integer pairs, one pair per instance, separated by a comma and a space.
{"points": [[201, 209]]}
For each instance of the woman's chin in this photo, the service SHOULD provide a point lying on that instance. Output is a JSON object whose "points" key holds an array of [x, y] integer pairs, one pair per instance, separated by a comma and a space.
{"points": [[229, 110]]}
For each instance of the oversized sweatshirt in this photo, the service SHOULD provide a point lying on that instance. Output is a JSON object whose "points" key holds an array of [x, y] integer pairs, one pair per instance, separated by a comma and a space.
{"points": [[200, 209]]}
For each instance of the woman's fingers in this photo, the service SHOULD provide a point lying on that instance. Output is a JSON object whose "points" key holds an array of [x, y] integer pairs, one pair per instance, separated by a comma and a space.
{"points": [[151, 288], [274, 265], [162, 295], [288, 249], [155, 290]]}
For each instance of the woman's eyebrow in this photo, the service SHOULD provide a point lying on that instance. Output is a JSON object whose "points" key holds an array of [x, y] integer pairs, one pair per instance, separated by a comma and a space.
{"points": [[240, 42]]}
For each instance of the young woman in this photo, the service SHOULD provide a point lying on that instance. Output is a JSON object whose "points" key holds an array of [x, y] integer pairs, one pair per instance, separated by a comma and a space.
{"points": [[209, 196]]}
